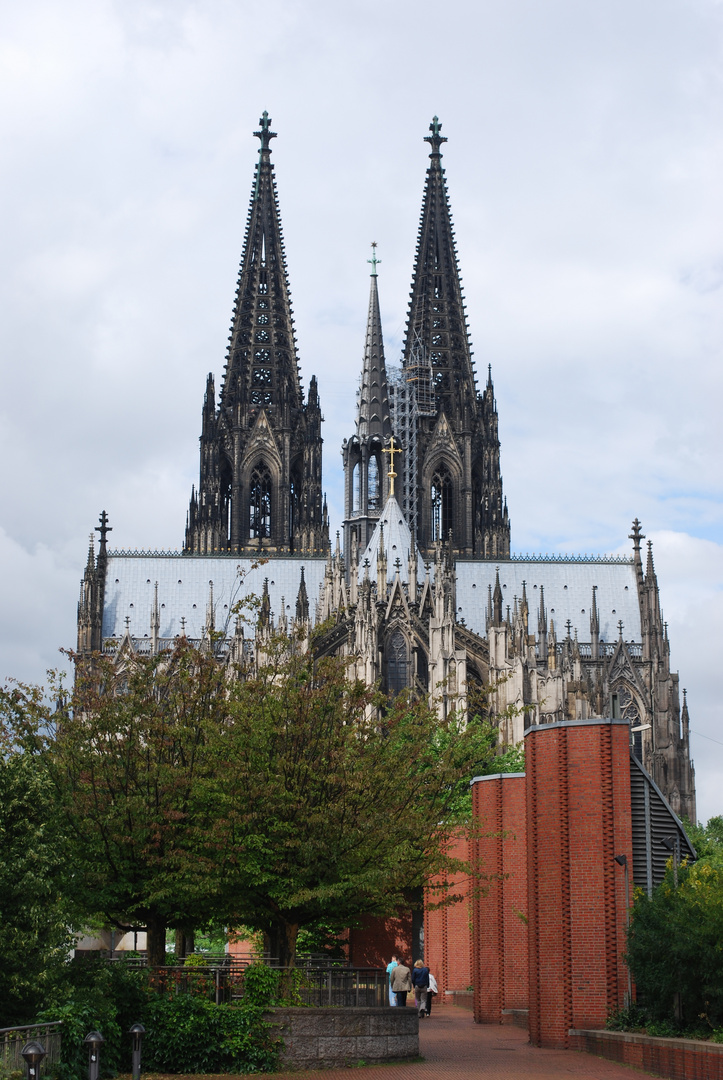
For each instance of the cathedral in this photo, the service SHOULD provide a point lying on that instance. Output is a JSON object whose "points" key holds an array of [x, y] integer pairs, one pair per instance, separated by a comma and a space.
{"points": [[421, 590]]}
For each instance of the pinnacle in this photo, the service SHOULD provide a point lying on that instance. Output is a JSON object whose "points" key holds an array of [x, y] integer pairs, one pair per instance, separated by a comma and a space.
{"points": [[435, 140]]}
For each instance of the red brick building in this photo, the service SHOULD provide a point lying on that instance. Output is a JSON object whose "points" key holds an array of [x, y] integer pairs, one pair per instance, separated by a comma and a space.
{"points": [[537, 927]]}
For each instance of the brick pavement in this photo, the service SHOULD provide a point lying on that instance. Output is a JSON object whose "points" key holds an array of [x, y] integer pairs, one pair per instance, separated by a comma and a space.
{"points": [[455, 1048]]}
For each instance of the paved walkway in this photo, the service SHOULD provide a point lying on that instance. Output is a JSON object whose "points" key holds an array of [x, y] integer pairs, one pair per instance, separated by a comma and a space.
{"points": [[455, 1048]]}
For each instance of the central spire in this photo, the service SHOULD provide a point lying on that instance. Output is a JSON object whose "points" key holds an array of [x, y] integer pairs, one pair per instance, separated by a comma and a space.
{"points": [[366, 483]]}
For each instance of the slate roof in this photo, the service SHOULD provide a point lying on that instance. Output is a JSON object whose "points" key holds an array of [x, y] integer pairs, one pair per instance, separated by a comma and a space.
{"points": [[183, 590], [568, 594]]}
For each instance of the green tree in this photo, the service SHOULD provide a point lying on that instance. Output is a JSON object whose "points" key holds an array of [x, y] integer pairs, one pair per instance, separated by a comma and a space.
{"points": [[36, 918], [326, 808], [294, 797], [675, 946], [707, 840], [130, 757]]}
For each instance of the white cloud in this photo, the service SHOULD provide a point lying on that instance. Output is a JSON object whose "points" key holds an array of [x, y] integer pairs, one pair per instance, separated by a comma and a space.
{"points": [[584, 167]]}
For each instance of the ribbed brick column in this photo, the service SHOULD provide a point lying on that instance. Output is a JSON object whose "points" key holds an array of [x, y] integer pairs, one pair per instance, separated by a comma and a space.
{"points": [[499, 910], [579, 819], [447, 930]]}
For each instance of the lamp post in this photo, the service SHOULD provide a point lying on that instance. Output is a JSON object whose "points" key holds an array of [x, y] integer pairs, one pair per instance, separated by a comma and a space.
{"points": [[137, 1031], [33, 1053], [94, 1040], [622, 860], [672, 843]]}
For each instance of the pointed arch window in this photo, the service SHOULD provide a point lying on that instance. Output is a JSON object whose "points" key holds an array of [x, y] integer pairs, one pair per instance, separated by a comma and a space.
{"points": [[374, 484], [397, 663], [441, 499], [624, 706], [295, 489], [260, 503]]}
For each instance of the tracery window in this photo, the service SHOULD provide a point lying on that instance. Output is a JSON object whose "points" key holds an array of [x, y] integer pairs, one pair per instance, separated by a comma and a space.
{"points": [[397, 663], [373, 486], [624, 706], [441, 498], [260, 503]]}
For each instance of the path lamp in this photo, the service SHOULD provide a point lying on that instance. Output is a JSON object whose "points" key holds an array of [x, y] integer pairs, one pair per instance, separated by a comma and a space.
{"points": [[622, 860], [94, 1040], [33, 1053], [672, 843], [137, 1031]]}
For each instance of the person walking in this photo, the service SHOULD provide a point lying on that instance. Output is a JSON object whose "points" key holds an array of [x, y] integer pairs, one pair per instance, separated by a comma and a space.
{"points": [[431, 991], [401, 983], [390, 968], [420, 981]]}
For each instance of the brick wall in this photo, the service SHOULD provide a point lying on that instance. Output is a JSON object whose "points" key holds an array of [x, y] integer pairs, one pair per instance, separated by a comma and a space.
{"points": [[448, 931], [499, 905], [579, 819], [375, 942], [675, 1059]]}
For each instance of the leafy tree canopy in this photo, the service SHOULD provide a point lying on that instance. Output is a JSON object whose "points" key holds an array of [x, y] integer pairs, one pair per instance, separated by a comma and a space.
{"points": [[675, 943], [275, 800], [36, 916]]}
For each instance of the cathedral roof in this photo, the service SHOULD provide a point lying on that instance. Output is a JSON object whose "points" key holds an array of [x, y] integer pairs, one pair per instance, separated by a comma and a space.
{"points": [[184, 585], [568, 586], [392, 528]]}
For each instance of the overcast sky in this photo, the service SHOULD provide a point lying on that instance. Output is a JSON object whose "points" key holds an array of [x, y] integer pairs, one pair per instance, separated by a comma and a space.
{"points": [[585, 170]]}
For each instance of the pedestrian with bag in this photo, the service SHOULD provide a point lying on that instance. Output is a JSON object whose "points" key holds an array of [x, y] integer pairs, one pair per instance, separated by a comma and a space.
{"points": [[400, 983], [431, 992], [420, 981]]}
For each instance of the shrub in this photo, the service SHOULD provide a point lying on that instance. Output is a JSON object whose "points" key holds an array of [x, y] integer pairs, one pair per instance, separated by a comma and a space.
{"points": [[189, 1034], [675, 946], [186, 1033]]}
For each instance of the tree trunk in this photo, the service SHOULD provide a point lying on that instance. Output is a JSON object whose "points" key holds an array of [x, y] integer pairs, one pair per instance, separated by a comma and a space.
{"points": [[180, 944], [282, 943], [185, 942], [156, 928]]}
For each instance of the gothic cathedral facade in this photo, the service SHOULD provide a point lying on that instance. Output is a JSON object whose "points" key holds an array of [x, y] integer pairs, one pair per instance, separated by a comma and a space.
{"points": [[425, 592]]}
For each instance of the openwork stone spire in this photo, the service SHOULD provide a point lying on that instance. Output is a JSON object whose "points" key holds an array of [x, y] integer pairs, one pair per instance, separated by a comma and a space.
{"points": [[262, 363], [260, 482], [436, 322], [455, 483]]}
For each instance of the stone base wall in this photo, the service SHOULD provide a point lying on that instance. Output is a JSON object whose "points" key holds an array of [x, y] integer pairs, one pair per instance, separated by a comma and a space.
{"points": [[676, 1059], [464, 999], [329, 1038]]}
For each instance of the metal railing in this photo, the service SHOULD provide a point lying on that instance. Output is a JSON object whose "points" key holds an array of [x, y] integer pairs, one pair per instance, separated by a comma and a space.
{"points": [[337, 987], [316, 981], [13, 1039]]}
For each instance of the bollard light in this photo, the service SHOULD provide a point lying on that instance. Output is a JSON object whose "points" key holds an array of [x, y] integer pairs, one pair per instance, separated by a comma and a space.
{"points": [[94, 1040], [137, 1031], [33, 1053]]}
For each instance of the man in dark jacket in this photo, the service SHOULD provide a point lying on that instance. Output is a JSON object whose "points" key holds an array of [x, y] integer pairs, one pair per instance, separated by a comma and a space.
{"points": [[400, 982]]}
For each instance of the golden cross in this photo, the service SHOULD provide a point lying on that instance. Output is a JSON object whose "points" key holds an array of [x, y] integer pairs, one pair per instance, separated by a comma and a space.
{"points": [[391, 450]]}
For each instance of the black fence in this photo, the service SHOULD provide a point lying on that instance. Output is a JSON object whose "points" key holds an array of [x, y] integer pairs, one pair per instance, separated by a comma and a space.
{"points": [[13, 1039], [315, 981]]}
